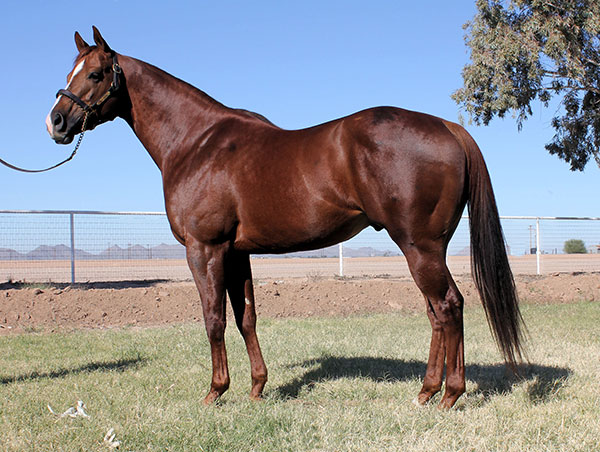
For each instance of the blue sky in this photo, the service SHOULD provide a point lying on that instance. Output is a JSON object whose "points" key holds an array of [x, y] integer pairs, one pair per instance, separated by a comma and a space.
{"points": [[297, 63]]}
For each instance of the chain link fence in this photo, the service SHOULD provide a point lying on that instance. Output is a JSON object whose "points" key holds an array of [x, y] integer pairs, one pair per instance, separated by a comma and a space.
{"points": [[82, 246]]}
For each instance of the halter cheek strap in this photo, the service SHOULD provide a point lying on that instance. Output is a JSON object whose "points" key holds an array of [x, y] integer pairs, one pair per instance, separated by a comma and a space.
{"points": [[114, 86]]}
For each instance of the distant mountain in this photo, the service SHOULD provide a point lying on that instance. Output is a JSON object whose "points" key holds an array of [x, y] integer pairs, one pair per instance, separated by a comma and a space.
{"points": [[333, 251], [135, 252], [57, 252], [138, 252], [112, 252], [115, 252], [466, 251], [7, 254], [164, 251], [367, 251]]}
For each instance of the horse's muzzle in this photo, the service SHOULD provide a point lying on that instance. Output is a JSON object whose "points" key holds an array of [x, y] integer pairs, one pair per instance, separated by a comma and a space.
{"points": [[66, 139], [56, 124]]}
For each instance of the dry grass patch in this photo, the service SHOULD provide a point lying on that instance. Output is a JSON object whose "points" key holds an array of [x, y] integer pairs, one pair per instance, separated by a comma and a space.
{"points": [[335, 385]]}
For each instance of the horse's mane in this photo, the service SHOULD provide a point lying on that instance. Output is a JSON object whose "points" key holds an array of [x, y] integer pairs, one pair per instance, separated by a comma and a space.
{"points": [[254, 115], [84, 52]]}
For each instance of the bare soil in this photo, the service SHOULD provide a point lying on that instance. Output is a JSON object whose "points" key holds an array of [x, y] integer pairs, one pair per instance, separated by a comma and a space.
{"points": [[59, 307]]}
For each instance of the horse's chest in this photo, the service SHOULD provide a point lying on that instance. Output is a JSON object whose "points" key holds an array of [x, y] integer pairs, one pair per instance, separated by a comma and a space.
{"points": [[207, 218]]}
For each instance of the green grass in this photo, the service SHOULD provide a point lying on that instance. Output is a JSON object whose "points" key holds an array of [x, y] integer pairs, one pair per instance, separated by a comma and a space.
{"points": [[335, 385]]}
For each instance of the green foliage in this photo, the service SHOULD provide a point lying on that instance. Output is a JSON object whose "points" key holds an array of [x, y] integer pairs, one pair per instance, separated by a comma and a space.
{"points": [[574, 246], [523, 50]]}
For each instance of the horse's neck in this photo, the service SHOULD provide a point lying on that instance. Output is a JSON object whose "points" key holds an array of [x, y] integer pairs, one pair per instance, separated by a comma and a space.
{"points": [[166, 113]]}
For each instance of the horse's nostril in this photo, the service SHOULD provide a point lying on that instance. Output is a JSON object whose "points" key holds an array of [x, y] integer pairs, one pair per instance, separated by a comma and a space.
{"points": [[58, 121]]}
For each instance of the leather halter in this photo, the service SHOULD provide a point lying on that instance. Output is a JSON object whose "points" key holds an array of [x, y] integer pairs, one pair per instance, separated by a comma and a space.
{"points": [[88, 109], [114, 86]]}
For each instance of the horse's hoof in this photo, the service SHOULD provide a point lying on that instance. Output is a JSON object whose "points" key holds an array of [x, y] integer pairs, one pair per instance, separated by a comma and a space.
{"points": [[416, 402], [446, 405], [211, 398], [422, 399]]}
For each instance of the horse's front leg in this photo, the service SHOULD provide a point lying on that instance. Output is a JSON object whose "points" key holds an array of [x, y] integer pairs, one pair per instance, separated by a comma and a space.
{"points": [[207, 263]]}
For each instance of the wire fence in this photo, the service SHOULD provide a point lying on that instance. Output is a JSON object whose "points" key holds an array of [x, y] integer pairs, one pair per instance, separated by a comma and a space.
{"points": [[82, 246]]}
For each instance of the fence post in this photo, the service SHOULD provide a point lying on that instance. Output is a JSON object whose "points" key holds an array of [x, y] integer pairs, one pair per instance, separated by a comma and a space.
{"points": [[538, 252], [341, 260], [72, 230]]}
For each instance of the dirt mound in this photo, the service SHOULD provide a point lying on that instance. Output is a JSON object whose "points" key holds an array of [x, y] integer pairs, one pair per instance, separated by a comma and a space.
{"points": [[105, 305]]}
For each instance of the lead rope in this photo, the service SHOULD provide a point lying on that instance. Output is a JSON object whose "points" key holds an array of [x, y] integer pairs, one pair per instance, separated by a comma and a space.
{"points": [[24, 170]]}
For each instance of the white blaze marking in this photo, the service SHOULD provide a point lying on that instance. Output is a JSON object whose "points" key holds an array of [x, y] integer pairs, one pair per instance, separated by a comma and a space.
{"points": [[49, 121], [77, 70]]}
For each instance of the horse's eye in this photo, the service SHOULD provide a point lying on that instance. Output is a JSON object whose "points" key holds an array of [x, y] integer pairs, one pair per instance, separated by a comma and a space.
{"points": [[95, 76]]}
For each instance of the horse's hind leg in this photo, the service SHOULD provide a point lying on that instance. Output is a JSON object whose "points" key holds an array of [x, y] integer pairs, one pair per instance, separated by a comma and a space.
{"points": [[241, 294], [445, 309], [432, 382]]}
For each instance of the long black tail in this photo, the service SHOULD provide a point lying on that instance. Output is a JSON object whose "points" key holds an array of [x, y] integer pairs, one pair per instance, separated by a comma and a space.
{"points": [[489, 262]]}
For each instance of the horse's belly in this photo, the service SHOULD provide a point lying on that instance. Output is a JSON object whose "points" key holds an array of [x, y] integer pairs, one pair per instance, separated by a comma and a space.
{"points": [[288, 236]]}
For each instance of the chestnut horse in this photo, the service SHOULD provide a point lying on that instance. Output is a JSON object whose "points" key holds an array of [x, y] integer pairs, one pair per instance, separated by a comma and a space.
{"points": [[236, 184]]}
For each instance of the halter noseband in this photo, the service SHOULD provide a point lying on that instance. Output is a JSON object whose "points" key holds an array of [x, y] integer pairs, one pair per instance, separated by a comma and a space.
{"points": [[114, 86]]}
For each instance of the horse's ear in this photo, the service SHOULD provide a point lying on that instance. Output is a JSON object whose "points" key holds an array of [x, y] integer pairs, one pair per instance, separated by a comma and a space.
{"points": [[99, 40], [80, 43]]}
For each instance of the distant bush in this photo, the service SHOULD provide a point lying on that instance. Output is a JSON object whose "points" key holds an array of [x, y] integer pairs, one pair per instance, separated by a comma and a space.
{"points": [[574, 246]]}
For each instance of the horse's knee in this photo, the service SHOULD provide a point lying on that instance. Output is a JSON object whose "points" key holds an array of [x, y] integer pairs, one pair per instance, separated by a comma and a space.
{"points": [[215, 329]]}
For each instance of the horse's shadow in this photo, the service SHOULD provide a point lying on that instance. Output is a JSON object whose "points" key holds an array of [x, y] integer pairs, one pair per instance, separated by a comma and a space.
{"points": [[126, 284], [119, 365], [545, 381]]}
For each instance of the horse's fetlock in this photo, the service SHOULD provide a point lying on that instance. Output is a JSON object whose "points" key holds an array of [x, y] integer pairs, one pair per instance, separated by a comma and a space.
{"points": [[220, 386]]}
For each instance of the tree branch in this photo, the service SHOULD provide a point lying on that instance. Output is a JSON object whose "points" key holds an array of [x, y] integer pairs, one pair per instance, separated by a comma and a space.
{"points": [[583, 86], [595, 63], [571, 88]]}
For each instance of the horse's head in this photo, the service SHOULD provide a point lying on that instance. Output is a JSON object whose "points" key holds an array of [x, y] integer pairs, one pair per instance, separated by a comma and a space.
{"points": [[92, 94]]}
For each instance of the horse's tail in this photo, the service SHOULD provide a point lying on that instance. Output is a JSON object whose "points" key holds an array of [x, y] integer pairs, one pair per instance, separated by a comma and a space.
{"points": [[489, 262]]}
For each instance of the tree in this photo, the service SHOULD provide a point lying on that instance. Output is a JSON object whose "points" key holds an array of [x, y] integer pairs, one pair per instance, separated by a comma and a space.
{"points": [[523, 50], [574, 246]]}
